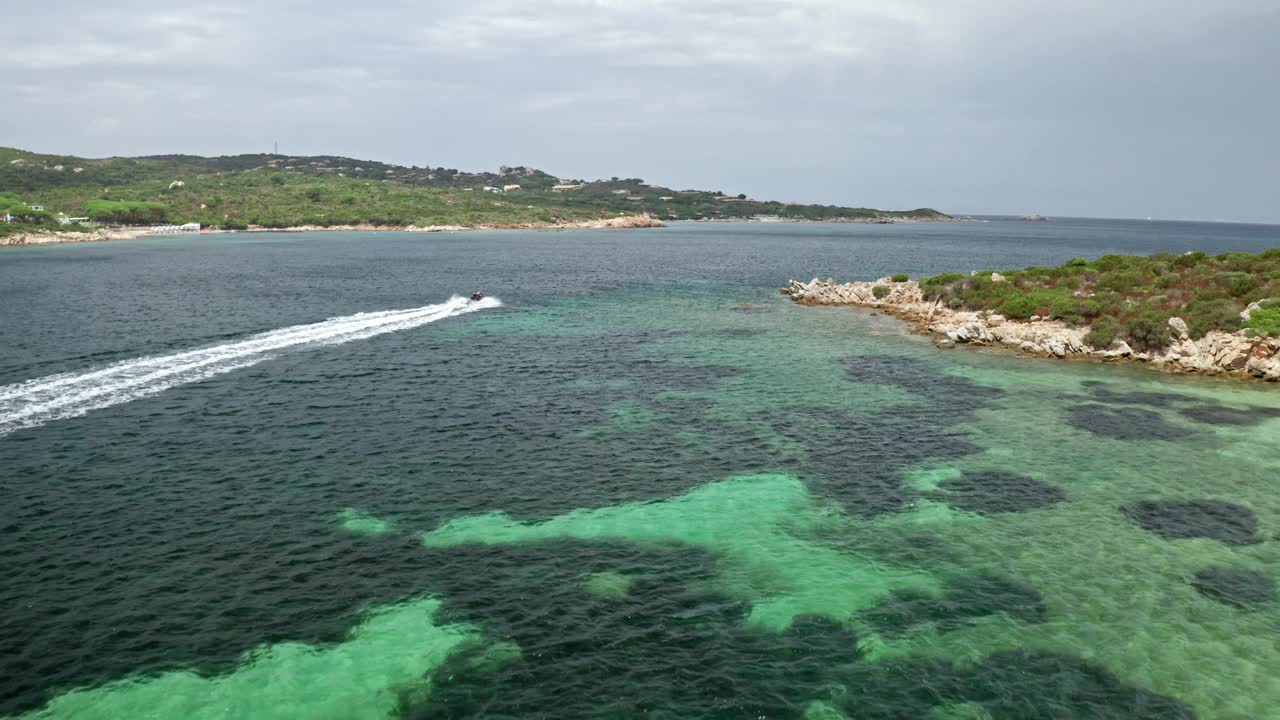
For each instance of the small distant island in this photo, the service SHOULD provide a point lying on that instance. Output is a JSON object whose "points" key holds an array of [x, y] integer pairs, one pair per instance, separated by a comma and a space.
{"points": [[1194, 313], [67, 198]]}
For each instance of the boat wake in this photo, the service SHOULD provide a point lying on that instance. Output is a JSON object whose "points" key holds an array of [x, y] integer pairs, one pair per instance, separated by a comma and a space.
{"points": [[36, 402]]}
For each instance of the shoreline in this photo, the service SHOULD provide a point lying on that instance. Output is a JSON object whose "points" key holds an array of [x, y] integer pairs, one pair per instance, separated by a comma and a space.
{"points": [[55, 237], [1218, 353], [877, 220]]}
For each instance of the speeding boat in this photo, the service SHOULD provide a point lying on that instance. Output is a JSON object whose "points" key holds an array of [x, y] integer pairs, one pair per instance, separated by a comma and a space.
{"points": [[476, 297]]}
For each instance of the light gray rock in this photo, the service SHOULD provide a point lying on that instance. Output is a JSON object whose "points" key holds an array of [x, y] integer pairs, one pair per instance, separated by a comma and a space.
{"points": [[995, 320], [946, 343], [1178, 327], [997, 277]]}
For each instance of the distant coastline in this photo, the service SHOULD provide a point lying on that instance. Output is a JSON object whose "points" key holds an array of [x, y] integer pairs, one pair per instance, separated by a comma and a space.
{"points": [[54, 237]]}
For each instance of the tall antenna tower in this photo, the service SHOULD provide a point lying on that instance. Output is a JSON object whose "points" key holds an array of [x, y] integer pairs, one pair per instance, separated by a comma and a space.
{"points": [[275, 150]]}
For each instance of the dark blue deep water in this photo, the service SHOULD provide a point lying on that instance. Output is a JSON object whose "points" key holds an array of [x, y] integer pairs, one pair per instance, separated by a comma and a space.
{"points": [[281, 475]]}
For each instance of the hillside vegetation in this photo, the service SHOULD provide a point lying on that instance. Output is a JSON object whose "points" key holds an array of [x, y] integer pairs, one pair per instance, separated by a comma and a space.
{"points": [[279, 191], [1130, 297]]}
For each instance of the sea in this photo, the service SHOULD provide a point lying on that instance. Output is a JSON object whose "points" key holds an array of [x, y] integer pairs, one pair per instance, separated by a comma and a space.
{"points": [[298, 475]]}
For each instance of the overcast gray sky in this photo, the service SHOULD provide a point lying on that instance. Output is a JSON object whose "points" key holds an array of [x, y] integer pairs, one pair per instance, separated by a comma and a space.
{"points": [[1091, 107]]}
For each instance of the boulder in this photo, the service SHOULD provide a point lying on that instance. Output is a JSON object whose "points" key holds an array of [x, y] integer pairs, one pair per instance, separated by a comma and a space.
{"points": [[1178, 327], [1248, 312], [995, 320], [997, 277], [946, 343]]}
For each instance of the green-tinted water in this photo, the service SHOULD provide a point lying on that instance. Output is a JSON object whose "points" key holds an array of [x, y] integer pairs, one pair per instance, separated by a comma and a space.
{"points": [[640, 499]]}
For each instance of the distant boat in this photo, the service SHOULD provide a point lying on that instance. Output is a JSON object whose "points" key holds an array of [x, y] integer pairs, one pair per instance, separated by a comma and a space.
{"points": [[1035, 218]]}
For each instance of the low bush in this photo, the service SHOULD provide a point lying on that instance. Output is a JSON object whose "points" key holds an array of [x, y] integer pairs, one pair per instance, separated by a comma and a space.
{"points": [[1265, 321], [1148, 331], [1190, 260], [1021, 307], [900, 277], [939, 285], [1205, 317], [1120, 281], [880, 291], [1242, 286], [1102, 333]]}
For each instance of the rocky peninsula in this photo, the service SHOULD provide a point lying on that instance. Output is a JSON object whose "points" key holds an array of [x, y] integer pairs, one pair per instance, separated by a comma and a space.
{"points": [[1238, 353]]}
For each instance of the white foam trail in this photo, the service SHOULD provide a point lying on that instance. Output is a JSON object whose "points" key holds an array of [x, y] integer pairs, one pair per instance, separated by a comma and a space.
{"points": [[36, 402]]}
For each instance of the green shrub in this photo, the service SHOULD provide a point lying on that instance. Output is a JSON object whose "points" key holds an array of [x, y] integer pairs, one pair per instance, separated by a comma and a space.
{"points": [[900, 277], [939, 285], [1076, 263], [1164, 282], [880, 291], [1110, 262], [1074, 309], [1190, 260], [1210, 295], [126, 211], [1019, 306], [1148, 331], [1205, 317], [1241, 286], [1120, 281], [1102, 333], [1265, 321]]}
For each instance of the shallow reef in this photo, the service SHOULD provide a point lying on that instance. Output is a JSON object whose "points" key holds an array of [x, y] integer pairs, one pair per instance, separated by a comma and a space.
{"points": [[998, 492], [1123, 423], [1244, 589], [1213, 519]]}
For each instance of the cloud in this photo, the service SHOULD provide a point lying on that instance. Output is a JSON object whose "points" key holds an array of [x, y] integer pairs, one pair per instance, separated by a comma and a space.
{"points": [[962, 104]]}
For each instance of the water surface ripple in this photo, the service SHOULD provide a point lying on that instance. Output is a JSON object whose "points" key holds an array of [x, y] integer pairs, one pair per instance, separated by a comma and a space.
{"points": [[645, 486]]}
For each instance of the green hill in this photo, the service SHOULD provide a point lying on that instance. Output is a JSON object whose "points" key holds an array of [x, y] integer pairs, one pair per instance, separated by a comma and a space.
{"points": [[283, 190]]}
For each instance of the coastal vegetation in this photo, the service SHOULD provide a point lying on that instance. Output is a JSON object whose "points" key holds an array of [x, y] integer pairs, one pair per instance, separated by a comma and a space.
{"points": [[1129, 297], [274, 191]]}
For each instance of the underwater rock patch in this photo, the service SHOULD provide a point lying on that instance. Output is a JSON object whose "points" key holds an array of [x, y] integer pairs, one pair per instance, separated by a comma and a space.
{"points": [[1011, 685], [1223, 415], [995, 492], [918, 376], [1245, 589], [1103, 392], [966, 600], [669, 647], [1123, 423], [857, 460], [1180, 519]]}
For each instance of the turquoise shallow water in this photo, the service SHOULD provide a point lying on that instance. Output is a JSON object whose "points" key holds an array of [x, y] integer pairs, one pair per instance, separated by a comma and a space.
{"points": [[644, 485]]}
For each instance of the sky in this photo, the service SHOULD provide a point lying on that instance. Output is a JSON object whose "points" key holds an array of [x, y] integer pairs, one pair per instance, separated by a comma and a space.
{"points": [[1167, 109]]}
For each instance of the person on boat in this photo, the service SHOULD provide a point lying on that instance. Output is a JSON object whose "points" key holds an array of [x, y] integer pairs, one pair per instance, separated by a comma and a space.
{"points": [[475, 296]]}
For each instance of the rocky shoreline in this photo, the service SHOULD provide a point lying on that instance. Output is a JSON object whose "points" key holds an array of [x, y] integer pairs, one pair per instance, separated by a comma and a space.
{"points": [[1217, 353], [106, 234]]}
